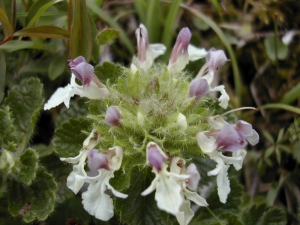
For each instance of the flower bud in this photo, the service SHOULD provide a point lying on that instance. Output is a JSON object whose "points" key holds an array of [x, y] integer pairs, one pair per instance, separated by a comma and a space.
{"points": [[155, 156], [142, 42], [82, 70], [113, 116], [215, 59], [181, 122], [180, 57], [97, 160], [198, 87]]}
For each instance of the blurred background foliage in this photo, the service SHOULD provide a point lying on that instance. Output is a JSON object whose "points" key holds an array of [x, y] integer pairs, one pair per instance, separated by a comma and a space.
{"points": [[260, 37]]}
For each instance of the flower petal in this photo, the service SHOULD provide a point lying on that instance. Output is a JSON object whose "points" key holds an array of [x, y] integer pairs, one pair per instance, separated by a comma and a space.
{"points": [[196, 53], [185, 214], [192, 182], [193, 196], [157, 50], [206, 144]]}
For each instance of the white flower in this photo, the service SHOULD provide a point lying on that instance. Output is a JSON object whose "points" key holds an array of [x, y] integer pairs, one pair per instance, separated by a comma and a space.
{"points": [[185, 213], [146, 53], [97, 200], [168, 191], [73, 182]]}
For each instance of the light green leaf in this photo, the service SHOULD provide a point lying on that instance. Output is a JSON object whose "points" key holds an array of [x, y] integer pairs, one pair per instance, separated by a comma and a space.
{"points": [[81, 36], [268, 136], [57, 67], [107, 35], [7, 128], [25, 102], [32, 202], [37, 10], [44, 32], [291, 94], [2, 75], [25, 169], [278, 155], [275, 48], [69, 138], [269, 151], [280, 135]]}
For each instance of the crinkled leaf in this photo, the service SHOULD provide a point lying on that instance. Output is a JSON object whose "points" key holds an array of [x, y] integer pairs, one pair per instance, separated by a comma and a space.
{"points": [[137, 209], [107, 35], [25, 102], [262, 214], [37, 10], [33, 202], [43, 150], [271, 44], [26, 168], [2, 75], [45, 31], [204, 165], [108, 71], [230, 218], [69, 138], [81, 37], [57, 67]]}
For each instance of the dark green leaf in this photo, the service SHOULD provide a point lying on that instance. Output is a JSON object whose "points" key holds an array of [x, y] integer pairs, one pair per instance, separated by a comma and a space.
{"points": [[10, 9], [44, 32], [137, 209], [33, 202], [69, 138], [25, 102], [7, 128], [2, 75], [274, 216], [81, 37], [296, 151], [107, 35], [37, 10], [6, 25], [43, 150], [230, 218], [57, 67], [108, 71]]}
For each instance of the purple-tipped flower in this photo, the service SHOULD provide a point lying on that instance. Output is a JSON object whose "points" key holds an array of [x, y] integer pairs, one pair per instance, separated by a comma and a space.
{"points": [[215, 59], [97, 160], [229, 139], [247, 131], [155, 156], [180, 57], [82, 70], [198, 87], [113, 116], [192, 182], [141, 34]]}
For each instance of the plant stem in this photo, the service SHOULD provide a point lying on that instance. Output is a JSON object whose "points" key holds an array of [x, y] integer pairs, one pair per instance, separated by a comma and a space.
{"points": [[211, 212]]}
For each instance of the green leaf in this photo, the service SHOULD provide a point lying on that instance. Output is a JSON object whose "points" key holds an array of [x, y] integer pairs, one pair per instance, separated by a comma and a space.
{"points": [[16, 45], [25, 102], [137, 209], [26, 168], [278, 155], [269, 151], [81, 36], [10, 9], [275, 48], [280, 135], [2, 75], [291, 94], [231, 218], [268, 136], [46, 31], [57, 67], [43, 150], [108, 71], [33, 202], [107, 35], [274, 216], [69, 138], [296, 151], [6, 25], [37, 10]]}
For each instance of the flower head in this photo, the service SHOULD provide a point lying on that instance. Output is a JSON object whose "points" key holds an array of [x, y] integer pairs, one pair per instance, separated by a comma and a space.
{"points": [[113, 116]]}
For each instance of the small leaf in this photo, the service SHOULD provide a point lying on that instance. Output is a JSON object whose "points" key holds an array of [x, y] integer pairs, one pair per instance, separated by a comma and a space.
{"points": [[57, 67], [108, 71], [107, 35], [7, 128], [25, 102], [278, 155], [274, 216], [81, 37], [15, 45], [44, 32], [269, 151], [69, 138], [296, 151], [271, 45], [252, 216], [2, 75], [231, 218], [268, 136], [280, 135], [37, 10], [25, 170]]}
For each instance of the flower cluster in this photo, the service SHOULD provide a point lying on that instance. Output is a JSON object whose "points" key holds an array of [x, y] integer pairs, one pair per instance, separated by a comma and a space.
{"points": [[156, 118]]}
